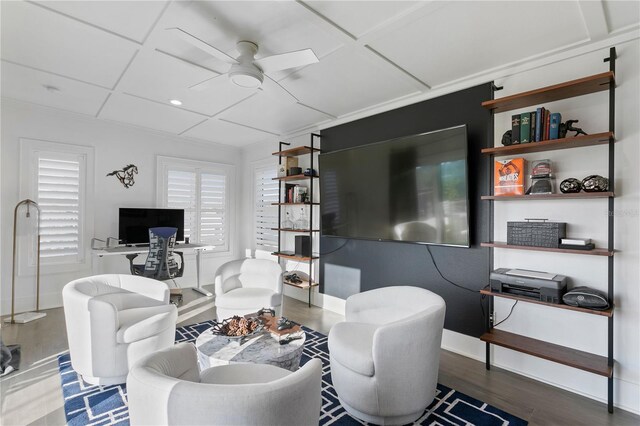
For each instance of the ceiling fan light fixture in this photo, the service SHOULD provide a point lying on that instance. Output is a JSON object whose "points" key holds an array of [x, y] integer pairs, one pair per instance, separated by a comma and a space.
{"points": [[246, 77]]}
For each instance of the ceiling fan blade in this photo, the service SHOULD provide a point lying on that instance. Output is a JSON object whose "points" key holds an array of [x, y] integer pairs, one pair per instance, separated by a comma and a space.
{"points": [[211, 83], [288, 60], [272, 88], [205, 47]]}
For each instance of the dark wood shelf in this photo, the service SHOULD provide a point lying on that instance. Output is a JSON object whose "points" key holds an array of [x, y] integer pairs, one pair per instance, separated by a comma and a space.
{"points": [[295, 177], [295, 230], [586, 361], [579, 195], [569, 89], [551, 145], [294, 257], [304, 284], [295, 204], [299, 150], [606, 313], [594, 252]]}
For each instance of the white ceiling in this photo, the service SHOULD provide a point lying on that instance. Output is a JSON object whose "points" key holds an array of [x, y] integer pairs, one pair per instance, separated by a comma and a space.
{"points": [[114, 60]]}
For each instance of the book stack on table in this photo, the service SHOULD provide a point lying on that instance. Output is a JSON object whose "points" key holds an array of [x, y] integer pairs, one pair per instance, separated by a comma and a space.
{"points": [[577, 244], [283, 336]]}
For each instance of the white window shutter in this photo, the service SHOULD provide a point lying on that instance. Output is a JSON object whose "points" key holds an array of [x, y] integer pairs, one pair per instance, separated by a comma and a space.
{"points": [[213, 206], [266, 214], [182, 194], [59, 197]]}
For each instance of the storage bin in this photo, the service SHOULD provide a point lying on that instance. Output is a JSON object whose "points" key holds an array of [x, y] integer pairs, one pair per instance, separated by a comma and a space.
{"points": [[536, 233]]}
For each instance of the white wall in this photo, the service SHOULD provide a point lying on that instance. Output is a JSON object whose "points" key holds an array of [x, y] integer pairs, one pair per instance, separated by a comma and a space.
{"points": [[115, 146]]}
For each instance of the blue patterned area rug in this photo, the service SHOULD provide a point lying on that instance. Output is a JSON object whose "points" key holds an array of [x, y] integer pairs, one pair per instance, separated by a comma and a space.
{"points": [[86, 404]]}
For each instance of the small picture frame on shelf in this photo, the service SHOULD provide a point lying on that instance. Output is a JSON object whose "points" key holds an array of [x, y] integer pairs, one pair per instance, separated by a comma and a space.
{"points": [[281, 170]]}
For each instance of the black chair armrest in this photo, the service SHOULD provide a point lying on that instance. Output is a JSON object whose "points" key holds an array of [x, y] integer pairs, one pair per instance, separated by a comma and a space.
{"points": [[131, 266], [181, 270]]}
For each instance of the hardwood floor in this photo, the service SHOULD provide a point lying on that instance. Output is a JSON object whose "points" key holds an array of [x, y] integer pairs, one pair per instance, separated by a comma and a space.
{"points": [[33, 395]]}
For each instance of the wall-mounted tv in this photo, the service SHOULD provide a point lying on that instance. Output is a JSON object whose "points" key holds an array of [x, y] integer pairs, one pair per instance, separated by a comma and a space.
{"points": [[134, 223], [411, 189]]}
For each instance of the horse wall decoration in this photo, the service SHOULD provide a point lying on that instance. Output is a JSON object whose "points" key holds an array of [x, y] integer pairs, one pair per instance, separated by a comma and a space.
{"points": [[126, 175]]}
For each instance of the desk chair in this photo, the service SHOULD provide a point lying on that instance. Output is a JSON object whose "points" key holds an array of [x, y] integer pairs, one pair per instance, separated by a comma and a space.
{"points": [[161, 263]]}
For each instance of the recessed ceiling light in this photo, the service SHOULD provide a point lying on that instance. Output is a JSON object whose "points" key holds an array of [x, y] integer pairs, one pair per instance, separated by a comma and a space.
{"points": [[175, 102]]}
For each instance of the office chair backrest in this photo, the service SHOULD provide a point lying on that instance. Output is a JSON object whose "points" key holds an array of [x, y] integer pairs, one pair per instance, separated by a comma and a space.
{"points": [[160, 262]]}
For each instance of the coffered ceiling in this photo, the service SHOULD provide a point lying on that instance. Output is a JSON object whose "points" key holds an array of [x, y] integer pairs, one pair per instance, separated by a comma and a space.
{"points": [[116, 61]]}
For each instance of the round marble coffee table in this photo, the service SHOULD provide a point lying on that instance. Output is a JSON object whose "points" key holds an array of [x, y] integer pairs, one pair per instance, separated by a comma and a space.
{"points": [[260, 349]]}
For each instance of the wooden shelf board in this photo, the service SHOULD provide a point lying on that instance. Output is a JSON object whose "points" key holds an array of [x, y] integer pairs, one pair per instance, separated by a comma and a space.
{"points": [[579, 195], [586, 361], [582, 86], [606, 313], [295, 230], [594, 252], [303, 284], [298, 150], [294, 257], [295, 177], [551, 145], [295, 204]]}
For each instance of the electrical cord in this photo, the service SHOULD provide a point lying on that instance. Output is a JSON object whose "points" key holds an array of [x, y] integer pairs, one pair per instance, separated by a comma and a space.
{"points": [[444, 278], [507, 317]]}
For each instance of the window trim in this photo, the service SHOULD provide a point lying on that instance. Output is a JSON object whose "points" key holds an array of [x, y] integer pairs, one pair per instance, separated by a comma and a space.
{"points": [[165, 163], [255, 167], [30, 150]]}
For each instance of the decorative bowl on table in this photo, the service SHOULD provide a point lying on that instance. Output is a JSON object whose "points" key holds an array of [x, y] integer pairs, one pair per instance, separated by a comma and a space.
{"points": [[238, 328]]}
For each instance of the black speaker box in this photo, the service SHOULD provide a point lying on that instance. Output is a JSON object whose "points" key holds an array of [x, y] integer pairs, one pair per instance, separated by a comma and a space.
{"points": [[303, 245]]}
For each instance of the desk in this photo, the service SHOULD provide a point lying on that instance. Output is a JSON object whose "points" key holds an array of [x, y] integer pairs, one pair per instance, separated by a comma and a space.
{"points": [[124, 250]]}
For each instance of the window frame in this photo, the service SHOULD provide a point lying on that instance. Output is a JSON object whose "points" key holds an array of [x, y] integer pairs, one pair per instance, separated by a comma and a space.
{"points": [[31, 150], [164, 164]]}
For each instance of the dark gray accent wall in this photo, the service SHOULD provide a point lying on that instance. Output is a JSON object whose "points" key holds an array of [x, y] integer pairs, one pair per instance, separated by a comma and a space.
{"points": [[361, 265]]}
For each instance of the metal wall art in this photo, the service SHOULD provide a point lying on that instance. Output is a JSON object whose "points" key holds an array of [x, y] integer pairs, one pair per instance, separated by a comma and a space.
{"points": [[126, 175]]}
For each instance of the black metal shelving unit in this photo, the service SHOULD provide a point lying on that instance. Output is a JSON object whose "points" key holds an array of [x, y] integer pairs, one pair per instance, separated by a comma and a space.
{"points": [[310, 150], [585, 361]]}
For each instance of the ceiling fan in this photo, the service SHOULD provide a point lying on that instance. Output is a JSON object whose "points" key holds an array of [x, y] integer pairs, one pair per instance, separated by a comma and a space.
{"points": [[246, 71]]}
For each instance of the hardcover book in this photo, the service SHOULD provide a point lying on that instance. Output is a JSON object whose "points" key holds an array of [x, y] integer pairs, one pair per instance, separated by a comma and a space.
{"points": [[509, 177], [515, 129], [554, 125], [525, 127], [539, 115], [532, 133], [547, 120]]}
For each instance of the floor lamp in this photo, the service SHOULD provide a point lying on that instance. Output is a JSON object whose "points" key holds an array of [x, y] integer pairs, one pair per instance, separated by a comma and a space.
{"points": [[25, 317]]}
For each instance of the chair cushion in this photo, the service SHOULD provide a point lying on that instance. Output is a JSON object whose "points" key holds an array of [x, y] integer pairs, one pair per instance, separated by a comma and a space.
{"points": [[351, 344], [241, 298], [141, 323]]}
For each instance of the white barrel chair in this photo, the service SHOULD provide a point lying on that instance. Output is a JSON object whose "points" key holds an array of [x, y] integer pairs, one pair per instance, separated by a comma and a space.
{"points": [[166, 388], [385, 356], [247, 285], [114, 320]]}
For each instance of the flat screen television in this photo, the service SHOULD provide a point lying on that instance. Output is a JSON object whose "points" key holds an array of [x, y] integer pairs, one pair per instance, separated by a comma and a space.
{"points": [[134, 223], [412, 189]]}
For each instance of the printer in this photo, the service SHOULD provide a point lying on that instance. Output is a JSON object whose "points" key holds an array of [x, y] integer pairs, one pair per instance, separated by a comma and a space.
{"points": [[543, 286]]}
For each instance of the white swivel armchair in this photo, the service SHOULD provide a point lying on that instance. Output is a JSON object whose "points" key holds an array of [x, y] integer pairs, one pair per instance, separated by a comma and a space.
{"points": [[247, 285], [385, 356], [166, 388], [114, 320]]}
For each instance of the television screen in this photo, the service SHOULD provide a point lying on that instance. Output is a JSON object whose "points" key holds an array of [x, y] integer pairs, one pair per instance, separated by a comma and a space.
{"points": [[410, 189], [134, 224]]}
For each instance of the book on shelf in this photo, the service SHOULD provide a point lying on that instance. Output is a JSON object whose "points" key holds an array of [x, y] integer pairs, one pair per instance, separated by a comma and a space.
{"points": [[525, 127], [288, 192], [546, 125], [589, 246], [515, 129], [539, 115], [554, 125], [576, 241], [509, 176], [532, 121]]}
